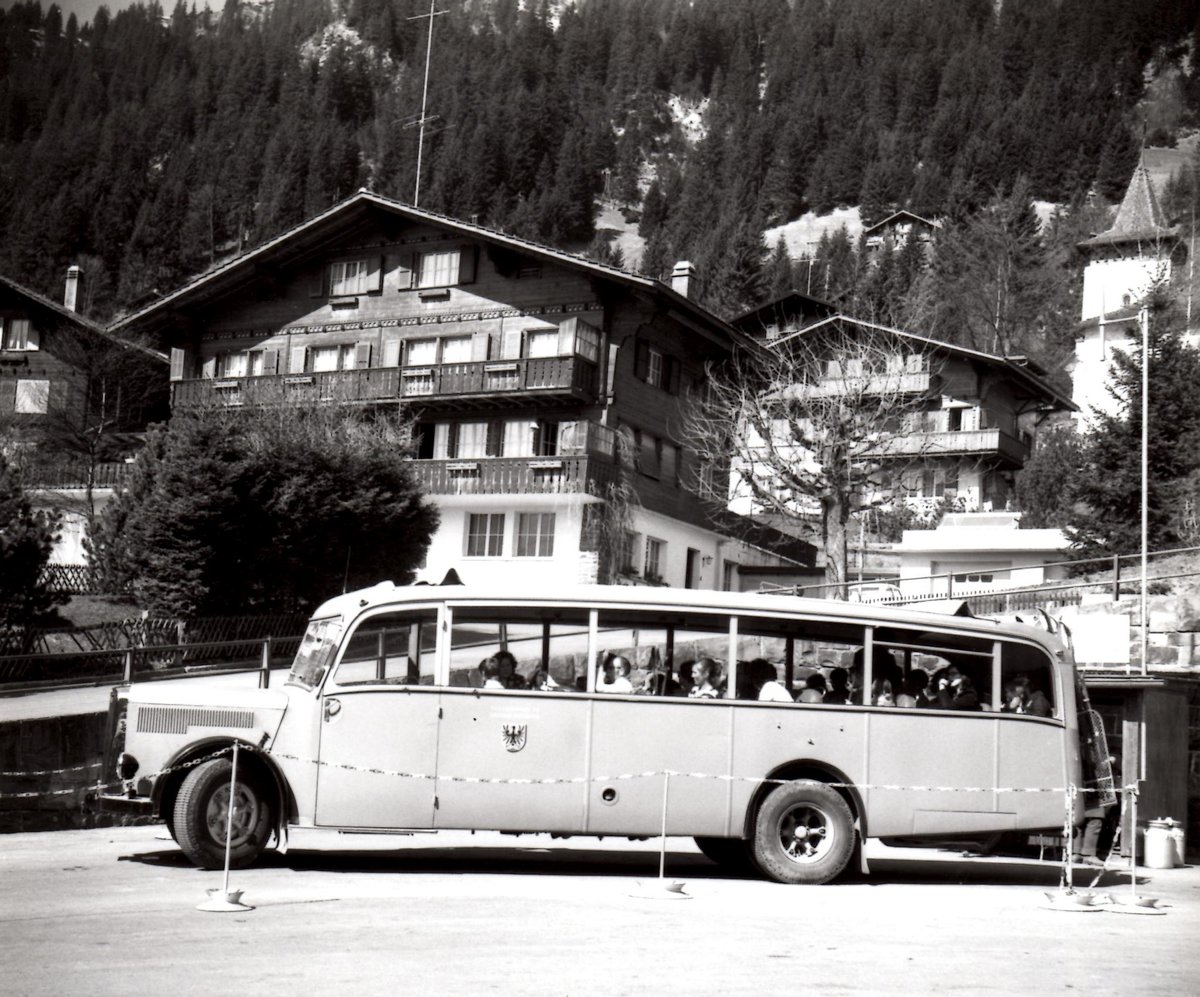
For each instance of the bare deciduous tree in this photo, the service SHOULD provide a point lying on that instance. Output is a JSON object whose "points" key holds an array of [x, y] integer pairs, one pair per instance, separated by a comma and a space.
{"points": [[812, 428]]}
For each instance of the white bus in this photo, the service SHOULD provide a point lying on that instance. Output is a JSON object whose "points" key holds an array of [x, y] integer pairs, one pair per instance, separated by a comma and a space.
{"points": [[389, 721]]}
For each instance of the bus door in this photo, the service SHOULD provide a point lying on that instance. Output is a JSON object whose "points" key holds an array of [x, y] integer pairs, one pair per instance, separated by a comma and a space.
{"points": [[932, 763], [379, 717], [635, 738], [512, 751]]}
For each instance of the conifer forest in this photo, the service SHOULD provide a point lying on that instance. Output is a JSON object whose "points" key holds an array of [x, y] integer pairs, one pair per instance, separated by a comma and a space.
{"points": [[150, 143]]}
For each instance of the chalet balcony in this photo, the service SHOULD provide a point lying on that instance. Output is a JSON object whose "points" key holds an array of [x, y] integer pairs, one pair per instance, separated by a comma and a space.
{"points": [[994, 443], [572, 475], [455, 385], [76, 475], [919, 382]]}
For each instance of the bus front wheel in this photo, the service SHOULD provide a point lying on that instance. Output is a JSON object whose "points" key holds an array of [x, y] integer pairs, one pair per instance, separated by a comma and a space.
{"points": [[202, 816], [804, 833]]}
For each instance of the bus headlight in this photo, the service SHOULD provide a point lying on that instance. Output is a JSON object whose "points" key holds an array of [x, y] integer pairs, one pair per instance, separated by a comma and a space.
{"points": [[127, 765]]}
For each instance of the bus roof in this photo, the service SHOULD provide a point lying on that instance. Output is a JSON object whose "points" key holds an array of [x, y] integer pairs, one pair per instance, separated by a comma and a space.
{"points": [[351, 604]]}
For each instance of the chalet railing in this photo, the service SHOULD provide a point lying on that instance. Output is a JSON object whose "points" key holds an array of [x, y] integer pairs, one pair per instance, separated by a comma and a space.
{"points": [[953, 442], [572, 375], [515, 475]]}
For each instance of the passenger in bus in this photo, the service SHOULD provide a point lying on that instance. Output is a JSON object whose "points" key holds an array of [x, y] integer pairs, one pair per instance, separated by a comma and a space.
{"points": [[764, 680], [881, 693], [686, 682], [707, 674], [914, 685], [816, 681], [838, 693], [612, 678], [956, 691], [491, 673], [542, 681], [1026, 699], [510, 678]]}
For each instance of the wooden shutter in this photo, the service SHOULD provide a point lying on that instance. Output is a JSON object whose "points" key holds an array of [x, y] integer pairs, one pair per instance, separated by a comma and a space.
{"points": [[511, 343], [641, 360], [670, 374], [298, 357], [481, 346], [316, 283], [374, 274], [495, 439], [362, 355], [466, 264], [177, 356], [210, 368], [33, 338], [391, 353], [270, 361], [566, 337]]}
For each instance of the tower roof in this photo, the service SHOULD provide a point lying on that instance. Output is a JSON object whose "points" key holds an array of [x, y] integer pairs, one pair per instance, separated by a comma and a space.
{"points": [[1139, 218]]}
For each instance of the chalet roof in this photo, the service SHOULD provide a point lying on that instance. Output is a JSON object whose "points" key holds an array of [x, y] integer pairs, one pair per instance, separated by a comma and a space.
{"points": [[1139, 218], [305, 240], [40, 302], [899, 216], [779, 309], [1013, 368]]}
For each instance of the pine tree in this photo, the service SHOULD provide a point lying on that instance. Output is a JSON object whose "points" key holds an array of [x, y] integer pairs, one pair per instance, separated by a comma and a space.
{"points": [[26, 539]]}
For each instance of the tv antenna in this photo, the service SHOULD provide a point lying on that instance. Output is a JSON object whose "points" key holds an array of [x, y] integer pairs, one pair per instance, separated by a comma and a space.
{"points": [[433, 12]]}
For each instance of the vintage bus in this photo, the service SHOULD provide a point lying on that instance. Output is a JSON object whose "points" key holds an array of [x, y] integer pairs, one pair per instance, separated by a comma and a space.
{"points": [[387, 723]]}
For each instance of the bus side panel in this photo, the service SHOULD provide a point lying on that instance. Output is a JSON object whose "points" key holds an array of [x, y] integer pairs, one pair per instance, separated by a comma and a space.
{"points": [[767, 737], [512, 735], [921, 751], [1031, 756], [642, 735]]}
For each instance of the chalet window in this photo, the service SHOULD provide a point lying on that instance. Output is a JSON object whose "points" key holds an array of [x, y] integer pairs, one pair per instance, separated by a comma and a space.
{"points": [[571, 438], [535, 534], [649, 454], [472, 440], [654, 368], [33, 397], [456, 349], [485, 534], [231, 365], [655, 549], [351, 277], [541, 343], [326, 358], [519, 438], [19, 334], [421, 352], [438, 269]]}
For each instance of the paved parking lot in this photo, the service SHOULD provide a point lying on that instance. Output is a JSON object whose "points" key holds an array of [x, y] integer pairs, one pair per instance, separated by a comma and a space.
{"points": [[112, 911]]}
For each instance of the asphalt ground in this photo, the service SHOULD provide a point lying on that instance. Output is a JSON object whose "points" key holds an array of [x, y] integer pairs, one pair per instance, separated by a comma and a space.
{"points": [[112, 911]]}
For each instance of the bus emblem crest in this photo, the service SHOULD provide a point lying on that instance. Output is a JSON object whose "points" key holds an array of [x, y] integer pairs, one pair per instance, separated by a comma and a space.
{"points": [[514, 736]]}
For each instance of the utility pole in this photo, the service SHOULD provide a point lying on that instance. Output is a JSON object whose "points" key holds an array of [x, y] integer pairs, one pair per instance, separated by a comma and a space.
{"points": [[424, 96], [1144, 321]]}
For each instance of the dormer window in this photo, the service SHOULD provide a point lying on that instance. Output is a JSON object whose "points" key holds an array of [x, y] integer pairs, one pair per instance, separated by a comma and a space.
{"points": [[19, 334]]}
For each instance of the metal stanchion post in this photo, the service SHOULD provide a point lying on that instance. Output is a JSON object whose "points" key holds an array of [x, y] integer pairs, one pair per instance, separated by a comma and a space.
{"points": [[224, 899], [1136, 904], [663, 889]]}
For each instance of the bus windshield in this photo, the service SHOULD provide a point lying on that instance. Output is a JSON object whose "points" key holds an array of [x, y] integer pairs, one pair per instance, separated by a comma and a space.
{"points": [[316, 652]]}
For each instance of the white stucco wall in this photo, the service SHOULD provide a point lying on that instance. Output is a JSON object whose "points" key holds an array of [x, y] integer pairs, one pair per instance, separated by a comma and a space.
{"points": [[1112, 284]]}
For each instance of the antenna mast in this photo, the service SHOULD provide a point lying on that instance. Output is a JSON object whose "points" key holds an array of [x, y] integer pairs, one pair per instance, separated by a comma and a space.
{"points": [[424, 96]]}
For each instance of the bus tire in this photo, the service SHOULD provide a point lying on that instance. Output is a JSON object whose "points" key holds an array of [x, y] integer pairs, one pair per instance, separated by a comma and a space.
{"points": [[733, 854], [803, 833], [202, 810]]}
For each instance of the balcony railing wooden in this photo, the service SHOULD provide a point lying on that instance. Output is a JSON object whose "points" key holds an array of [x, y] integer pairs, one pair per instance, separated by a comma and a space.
{"points": [[967, 442], [75, 475], [515, 475], [572, 376]]}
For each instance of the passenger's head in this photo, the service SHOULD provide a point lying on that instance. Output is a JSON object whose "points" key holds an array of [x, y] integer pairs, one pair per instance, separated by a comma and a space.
{"points": [[506, 662], [686, 678], [815, 681], [490, 667], [1020, 684], [706, 670], [539, 676], [915, 682], [761, 672], [839, 680], [622, 665]]}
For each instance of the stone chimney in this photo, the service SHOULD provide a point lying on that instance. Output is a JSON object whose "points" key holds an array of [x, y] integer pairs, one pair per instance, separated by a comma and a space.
{"points": [[684, 280], [71, 296]]}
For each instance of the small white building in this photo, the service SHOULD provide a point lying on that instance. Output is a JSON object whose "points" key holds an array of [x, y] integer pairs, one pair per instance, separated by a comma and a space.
{"points": [[974, 552]]}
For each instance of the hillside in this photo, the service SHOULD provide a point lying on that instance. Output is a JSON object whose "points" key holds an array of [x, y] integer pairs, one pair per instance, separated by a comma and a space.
{"points": [[145, 146]]}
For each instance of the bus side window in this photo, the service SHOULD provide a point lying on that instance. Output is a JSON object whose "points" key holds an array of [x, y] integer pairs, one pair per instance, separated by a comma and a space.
{"points": [[817, 661], [550, 648], [390, 648], [1026, 680], [657, 644]]}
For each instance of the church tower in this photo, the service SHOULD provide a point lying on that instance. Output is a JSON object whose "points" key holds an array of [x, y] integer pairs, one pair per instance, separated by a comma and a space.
{"points": [[1124, 264]]}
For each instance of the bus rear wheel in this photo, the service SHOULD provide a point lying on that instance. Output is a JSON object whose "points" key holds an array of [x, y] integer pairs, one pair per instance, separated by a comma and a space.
{"points": [[804, 833], [202, 816]]}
